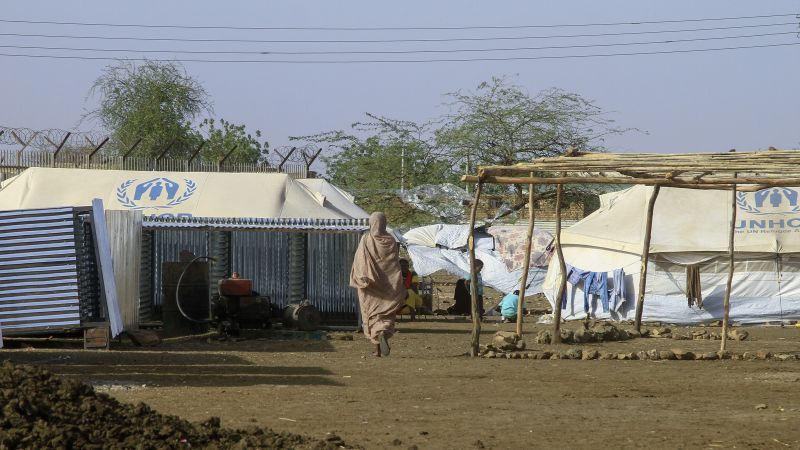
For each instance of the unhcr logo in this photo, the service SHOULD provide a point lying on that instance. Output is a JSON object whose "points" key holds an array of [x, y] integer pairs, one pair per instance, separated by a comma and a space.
{"points": [[158, 193], [769, 201], [772, 201]]}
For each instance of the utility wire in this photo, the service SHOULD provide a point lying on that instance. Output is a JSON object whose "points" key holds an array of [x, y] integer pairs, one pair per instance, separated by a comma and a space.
{"points": [[374, 41], [505, 27], [510, 58], [371, 52]]}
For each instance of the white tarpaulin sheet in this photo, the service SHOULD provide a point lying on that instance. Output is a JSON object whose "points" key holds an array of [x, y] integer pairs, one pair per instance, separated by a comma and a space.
{"points": [[442, 247], [179, 194], [428, 260], [690, 227], [447, 236]]}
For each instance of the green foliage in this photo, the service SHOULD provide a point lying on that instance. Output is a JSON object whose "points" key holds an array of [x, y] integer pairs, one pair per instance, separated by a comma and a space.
{"points": [[497, 124], [222, 139], [500, 124], [155, 102], [395, 155]]}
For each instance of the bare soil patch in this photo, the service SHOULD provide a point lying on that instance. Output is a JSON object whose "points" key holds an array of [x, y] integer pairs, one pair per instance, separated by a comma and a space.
{"points": [[429, 395]]}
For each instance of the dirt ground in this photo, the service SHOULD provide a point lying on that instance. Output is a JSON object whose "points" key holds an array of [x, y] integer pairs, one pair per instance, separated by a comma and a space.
{"points": [[427, 394]]}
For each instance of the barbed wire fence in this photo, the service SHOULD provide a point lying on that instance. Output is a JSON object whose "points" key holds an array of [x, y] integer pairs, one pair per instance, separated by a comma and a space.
{"points": [[22, 148]]}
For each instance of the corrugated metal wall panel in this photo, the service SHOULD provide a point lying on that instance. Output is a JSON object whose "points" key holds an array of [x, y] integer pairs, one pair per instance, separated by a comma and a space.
{"points": [[39, 283], [329, 260], [125, 239], [146, 275], [264, 258], [167, 246], [219, 248]]}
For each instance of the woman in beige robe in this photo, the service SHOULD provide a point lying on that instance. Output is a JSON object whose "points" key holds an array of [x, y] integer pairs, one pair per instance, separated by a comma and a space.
{"points": [[376, 274]]}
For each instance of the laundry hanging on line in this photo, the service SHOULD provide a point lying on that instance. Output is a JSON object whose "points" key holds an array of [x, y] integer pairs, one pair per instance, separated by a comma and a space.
{"points": [[694, 291], [596, 283]]}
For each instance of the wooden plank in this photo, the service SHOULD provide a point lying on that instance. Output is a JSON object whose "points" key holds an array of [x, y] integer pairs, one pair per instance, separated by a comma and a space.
{"points": [[717, 183], [96, 337]]}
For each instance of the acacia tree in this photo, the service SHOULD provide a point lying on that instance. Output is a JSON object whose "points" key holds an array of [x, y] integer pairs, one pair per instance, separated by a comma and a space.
{"points": [[501, 124], [497, 124], [379, 159], [229, 137], [153, 101]]}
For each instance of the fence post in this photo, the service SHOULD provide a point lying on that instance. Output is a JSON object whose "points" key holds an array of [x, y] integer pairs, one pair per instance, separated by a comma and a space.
{"points": [[97, 149], [194, 155], [163, 153], [285, 158], [60, 146], [224, 158], [310, 161], [23, 144]]}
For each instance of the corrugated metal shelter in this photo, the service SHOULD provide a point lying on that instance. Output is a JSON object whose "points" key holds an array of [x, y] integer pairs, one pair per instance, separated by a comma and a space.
{"points": [[49, 278], [288, 260], [299, 246]]}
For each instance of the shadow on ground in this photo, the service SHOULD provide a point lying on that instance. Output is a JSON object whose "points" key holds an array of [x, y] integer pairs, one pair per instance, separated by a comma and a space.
{"points": [[171, 369]]}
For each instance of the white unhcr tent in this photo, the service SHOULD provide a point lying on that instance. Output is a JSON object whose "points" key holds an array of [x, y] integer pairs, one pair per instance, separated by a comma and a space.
{"points": [[180, 194], [690, 227]]}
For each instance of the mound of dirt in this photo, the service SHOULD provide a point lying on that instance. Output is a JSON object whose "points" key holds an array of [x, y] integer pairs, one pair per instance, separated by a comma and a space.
{"points": [[41, 410]]}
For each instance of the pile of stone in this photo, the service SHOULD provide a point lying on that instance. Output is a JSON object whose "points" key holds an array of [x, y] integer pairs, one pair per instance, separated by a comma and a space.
{"points": [[735, 335], [503, 342], [41, 410], [600, 332], [651, 355]]}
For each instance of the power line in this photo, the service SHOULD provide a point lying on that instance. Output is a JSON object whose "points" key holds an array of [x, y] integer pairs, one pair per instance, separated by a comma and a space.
{"points": [[371, 52], [381, 61], [504, 27], [375, 41]]}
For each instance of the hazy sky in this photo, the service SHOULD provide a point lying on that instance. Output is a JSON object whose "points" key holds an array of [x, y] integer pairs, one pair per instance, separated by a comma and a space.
{"points": [[706, 101]]}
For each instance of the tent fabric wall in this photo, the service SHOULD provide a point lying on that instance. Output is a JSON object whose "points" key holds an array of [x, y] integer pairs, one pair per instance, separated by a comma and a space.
{"points": [[690, 227], [690, 220], [179, 194], [765, 288]]}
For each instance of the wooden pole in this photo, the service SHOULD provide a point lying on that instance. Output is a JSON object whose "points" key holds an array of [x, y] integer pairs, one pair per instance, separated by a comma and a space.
{"points": [[528, 247], [648, 228], [562, 285], [473, 276], [727, 301], [687, 183]]}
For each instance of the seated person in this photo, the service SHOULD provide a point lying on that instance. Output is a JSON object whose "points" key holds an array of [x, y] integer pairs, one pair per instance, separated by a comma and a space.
{"points": [[411, 281], [508, 307], [461, 300]]}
